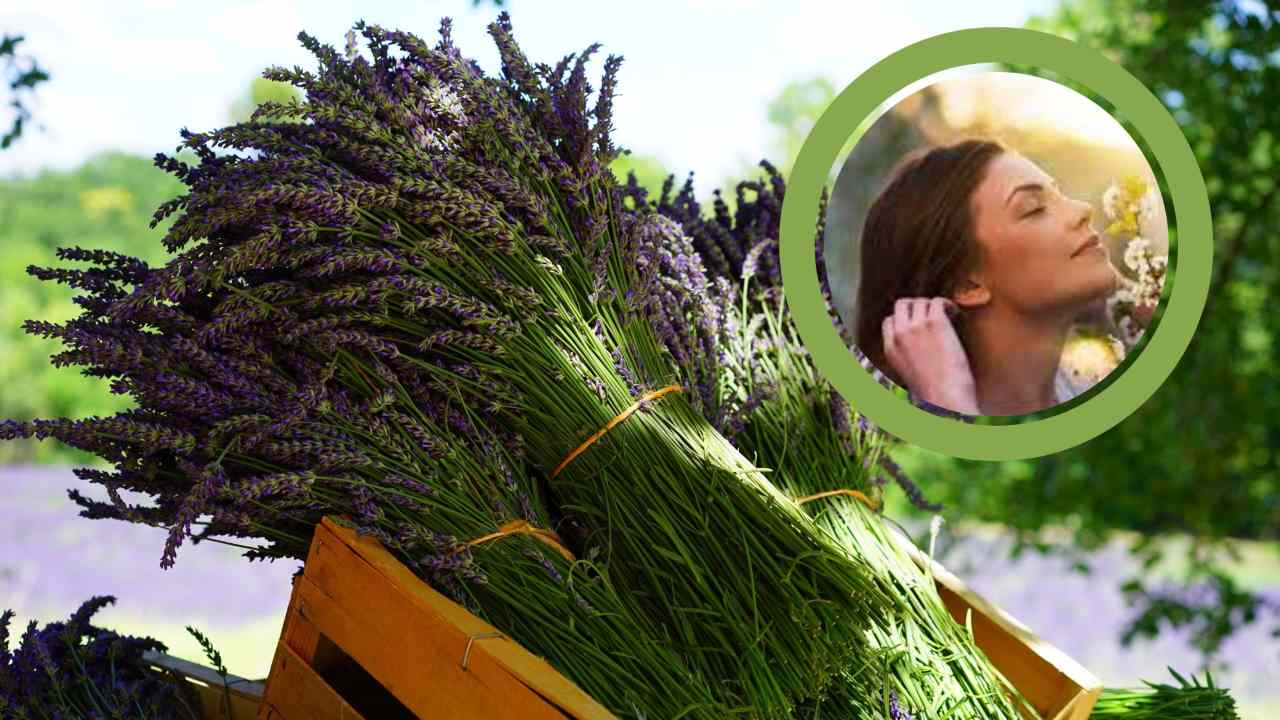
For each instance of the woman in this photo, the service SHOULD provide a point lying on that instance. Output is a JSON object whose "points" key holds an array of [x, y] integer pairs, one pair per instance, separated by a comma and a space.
{"points": [[974, 267]]}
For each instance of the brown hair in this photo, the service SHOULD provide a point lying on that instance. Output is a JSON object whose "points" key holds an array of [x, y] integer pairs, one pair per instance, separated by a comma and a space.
{"points": [[917, 240]]}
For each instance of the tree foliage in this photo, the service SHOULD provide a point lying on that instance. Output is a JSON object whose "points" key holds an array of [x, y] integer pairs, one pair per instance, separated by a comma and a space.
{"points": [[1202, 456], [793, 112], [22, 73], [105, 204], [262, 90], [648, 170]]}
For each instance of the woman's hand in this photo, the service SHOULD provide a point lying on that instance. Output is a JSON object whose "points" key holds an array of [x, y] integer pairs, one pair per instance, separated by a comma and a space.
{"points": [[922, 346]]}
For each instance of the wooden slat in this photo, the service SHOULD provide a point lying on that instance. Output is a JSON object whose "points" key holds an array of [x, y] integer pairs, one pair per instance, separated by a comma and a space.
{"points": [[1057, 686], [299, 693], [1036, 678], [454, 625], [1081, 706], [242, 696], [265, 710], [413, 639], [299, 633]]}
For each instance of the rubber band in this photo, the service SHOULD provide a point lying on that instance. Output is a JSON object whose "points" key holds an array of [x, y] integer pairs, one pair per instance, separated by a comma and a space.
{"points": [[651, 395], [522, 527], [873, 506]]}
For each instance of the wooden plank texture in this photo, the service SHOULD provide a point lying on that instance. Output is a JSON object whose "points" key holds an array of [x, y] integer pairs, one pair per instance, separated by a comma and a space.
{"points": [[301, 693], [299, 634], [267, 711], [413, 639]]}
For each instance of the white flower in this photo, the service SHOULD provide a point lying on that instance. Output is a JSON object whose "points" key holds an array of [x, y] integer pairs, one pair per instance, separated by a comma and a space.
{"points": [[1135, 253], [1125, 293], [1130, 331], [1109, 200], [446, 102], [1150, 270], [1153, 291], [432, 140]]}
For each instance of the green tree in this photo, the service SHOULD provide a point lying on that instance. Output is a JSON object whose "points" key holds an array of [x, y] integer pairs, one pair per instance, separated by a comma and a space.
{"points": [[107, 204], [792, 113], [262, 90], [22, 73], [649, 171], [1201, 458]]}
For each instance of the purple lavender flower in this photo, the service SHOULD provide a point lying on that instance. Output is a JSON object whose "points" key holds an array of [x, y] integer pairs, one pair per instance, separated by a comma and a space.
{"points": [[896, 712], [73, 669]]}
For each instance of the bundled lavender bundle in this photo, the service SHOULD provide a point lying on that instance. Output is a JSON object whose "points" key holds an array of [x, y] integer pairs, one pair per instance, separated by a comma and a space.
{"points": [[405, 309], [72, 669], [738, 245], [263, 428], [1188, 700], [787, 416], [933, 665]]}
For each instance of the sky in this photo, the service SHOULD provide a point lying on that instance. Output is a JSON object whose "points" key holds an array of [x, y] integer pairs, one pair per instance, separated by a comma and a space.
{"points": [[693, 89]]}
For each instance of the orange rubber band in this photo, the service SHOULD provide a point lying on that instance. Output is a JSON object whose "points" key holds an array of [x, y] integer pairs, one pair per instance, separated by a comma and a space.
{"points": [[522, 527], [652, 395], [850, 493]]}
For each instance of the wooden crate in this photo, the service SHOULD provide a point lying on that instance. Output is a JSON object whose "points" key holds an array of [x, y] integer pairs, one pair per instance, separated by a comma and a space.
{"points": [[1058, 687], [240, 699], [365, 638], [358, 614]]}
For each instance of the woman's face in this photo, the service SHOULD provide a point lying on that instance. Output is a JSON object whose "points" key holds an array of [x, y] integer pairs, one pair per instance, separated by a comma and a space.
{"points": [[1038, 251]]}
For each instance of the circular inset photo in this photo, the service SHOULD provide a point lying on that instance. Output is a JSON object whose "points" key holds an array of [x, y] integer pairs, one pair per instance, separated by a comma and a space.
{"points": [[996, 244]]}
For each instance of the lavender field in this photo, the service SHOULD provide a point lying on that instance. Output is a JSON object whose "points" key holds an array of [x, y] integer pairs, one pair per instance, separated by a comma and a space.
{"points": [[51, 560], [1084, 615]]}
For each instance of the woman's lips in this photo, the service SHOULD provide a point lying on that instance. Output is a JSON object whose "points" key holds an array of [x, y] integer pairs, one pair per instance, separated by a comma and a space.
{"points": [[1092, 243]]}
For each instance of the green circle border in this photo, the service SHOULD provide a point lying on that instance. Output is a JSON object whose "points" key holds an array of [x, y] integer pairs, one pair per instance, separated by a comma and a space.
{"points": [[1164, 348]]}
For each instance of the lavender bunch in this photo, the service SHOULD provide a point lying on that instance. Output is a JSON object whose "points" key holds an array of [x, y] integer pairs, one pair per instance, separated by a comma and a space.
{"points": [[429, 491], [732, 245], [789, 418], [1188, 700], [933, 664], [401, 306], [271, 391], [728, 250], [72, 669]]}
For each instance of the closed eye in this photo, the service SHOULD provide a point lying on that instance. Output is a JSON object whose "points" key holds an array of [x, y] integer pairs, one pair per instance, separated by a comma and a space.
{"points": [[1036, 211]]}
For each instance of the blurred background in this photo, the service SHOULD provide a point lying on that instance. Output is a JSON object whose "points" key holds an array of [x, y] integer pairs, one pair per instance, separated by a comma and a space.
{"points": [[1156, 544]]}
